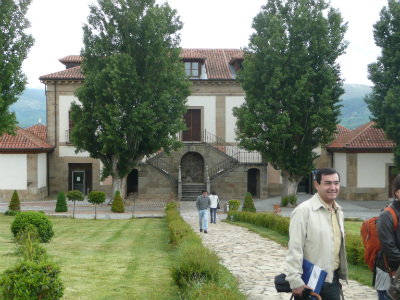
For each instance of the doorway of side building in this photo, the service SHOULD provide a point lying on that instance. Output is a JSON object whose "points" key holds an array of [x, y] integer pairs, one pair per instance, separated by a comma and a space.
{"points": [[253, 182], [80, 178], [305, 185], [132, 182], [192, 168], [193, 123]]}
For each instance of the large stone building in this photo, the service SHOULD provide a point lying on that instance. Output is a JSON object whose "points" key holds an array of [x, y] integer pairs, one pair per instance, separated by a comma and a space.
{"points": [[209, 159]]}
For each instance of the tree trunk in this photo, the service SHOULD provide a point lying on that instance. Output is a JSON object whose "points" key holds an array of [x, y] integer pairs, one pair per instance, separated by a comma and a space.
{"points": [[118, 183], [290, 184]]}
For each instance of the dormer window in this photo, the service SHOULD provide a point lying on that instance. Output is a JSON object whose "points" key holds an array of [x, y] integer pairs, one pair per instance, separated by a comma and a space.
{"points": [[193, 69]]}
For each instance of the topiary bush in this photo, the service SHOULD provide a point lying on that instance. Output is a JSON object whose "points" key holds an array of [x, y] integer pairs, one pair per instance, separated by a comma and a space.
{"points": [[285, 201], [31, 280], [61, 205], [75, 196], [96, 198], [14, 202], [39, 220], [118, 203], [248, 204], [234, 204], [171, 205]]}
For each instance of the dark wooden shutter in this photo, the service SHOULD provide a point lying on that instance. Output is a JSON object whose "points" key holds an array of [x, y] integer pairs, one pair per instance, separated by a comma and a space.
{"points": [[193, 122]]}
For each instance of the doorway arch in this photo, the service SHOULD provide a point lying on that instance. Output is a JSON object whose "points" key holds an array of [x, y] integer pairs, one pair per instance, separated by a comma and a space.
{"points": [[192, 167], [132, 182]]}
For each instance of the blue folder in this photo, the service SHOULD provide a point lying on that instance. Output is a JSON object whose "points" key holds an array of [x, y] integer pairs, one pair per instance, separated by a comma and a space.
{"points": [[313, 276]]}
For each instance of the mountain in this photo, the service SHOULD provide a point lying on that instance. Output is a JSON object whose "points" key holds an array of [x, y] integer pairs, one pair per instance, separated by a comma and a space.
{"points": [[354, 112], [30, 107]]}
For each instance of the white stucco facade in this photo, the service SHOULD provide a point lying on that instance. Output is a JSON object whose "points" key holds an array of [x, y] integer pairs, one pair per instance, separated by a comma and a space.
{"points": [[372, 169], [231, 102], [340, 165], [41, 170], [209, 112], [13, 171]]}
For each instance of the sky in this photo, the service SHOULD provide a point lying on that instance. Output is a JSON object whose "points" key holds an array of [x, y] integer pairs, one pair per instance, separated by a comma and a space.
{"points": [[56, 26]]}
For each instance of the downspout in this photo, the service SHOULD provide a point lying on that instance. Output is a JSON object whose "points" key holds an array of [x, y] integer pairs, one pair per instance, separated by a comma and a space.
{"points": [[55, 113]]}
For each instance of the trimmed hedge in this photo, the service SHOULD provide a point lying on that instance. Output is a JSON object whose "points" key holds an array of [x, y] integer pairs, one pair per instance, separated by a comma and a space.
{"points": [[197, 271], [248, 204], [14, 202], [61, 205], [354, 244], [39, 220], [118, 203]]}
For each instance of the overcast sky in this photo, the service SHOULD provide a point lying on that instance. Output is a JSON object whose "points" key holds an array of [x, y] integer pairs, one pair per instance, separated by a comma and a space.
{"points": [[57, 28]]}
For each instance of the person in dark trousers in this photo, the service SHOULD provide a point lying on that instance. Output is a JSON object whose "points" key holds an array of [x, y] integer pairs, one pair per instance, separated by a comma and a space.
{"points": [[213, 207], [316, 233], [390, 243], [203, 203]]}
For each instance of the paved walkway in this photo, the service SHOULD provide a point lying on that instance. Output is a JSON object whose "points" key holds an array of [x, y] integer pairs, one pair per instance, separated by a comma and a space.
{"points": [[255, 260]]}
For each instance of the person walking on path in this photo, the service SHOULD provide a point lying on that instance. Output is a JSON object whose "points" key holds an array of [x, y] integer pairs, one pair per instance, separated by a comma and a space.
{"points": [[389, 238], [316, 233], [203, 202], [213, 207]]}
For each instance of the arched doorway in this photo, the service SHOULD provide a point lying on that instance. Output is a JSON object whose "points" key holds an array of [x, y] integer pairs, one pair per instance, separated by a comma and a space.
{"points": [[253, 182], [132, 182], [192, 167]]}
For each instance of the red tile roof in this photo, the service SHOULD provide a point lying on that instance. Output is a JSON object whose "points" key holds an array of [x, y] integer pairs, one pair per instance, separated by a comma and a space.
{"points": [[341, 130], [366, 138], [39, 130], [23, 142], [217, 63]]}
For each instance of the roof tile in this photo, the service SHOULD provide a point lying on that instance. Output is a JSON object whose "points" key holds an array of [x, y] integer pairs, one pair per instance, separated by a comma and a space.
{"points": [[24, 141]]}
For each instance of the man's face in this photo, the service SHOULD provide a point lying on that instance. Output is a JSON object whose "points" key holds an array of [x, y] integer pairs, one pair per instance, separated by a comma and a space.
{"points": [[204, 194], [329, 188]]}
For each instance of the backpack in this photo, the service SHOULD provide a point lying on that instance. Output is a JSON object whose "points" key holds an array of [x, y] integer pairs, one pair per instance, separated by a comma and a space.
{"points": [[370, 238]]}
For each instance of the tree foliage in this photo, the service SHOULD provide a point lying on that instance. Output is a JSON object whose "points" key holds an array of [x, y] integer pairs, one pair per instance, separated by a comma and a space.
{"points": [[14, 48], [291, 79], [383, 102], [134, 95]]}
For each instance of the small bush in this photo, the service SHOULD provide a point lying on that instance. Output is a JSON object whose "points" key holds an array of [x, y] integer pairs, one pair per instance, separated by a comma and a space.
{"points": [[61, 205], [75, 196], [96, 198], [118, 203], [14, 202], [32, 280], [39, 220], [234, 204], [248, 204], [28, 247], [285, 201], [293, 199], [11, 212], [355, 249]]}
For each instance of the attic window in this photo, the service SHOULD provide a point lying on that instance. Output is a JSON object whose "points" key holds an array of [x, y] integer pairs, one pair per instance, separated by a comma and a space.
{"points": [[193, 69]]}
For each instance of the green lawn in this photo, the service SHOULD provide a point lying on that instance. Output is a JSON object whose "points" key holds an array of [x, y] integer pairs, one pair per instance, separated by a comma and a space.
{"points": [[106, 259]]}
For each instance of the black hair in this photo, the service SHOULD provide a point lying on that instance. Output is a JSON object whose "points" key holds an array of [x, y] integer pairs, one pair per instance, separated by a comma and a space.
{"points": [[396, 186], [213, 193], [325, 171], [203, 191]]}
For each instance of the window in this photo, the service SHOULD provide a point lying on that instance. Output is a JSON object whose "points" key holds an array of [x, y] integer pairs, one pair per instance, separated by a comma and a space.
{"points": [[192, 69]]}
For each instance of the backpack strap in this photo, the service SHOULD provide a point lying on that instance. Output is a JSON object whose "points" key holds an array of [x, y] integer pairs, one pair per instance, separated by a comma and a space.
{"points": [[395, 224]]}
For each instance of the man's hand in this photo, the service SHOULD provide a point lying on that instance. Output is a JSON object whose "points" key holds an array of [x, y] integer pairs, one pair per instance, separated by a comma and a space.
{"points": [[297, 292]]}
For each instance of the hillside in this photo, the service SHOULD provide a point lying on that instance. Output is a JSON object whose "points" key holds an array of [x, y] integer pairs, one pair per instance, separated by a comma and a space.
{"points": [[32, 106], [354, 111]]}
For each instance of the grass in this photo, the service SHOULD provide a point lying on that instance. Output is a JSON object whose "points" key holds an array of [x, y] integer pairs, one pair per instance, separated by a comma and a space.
{"points": [[106, 259], [362, 274]]}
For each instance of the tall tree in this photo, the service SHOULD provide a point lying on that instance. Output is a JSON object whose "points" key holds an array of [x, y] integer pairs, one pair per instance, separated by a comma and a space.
{"points": [[133, 98], [14, 48], [291, 79], [383, 102]]}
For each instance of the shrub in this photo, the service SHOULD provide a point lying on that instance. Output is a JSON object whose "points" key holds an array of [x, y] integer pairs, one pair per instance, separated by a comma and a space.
{"points": [[248, 204], [96, 198], [39, 220], [355, 249], [118, 203], [171, 205], [234, 204], [285, 201], [14, 202], [32, 280], [61, 205], [75, 196], [28, 247], [293, 199], [195, 264], [11, 212]]}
